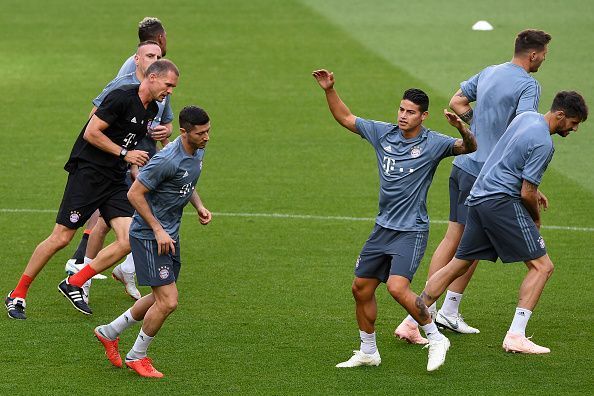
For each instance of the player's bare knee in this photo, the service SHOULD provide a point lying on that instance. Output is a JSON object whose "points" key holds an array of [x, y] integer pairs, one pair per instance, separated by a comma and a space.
{"points": [[398, 290], [60, 239], [360, 292], [169, 304]]}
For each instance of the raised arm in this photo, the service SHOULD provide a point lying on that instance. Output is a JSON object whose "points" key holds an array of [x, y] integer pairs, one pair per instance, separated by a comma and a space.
{"points": [[468, 142], [530, 198], [339, 110], [461, 106]]}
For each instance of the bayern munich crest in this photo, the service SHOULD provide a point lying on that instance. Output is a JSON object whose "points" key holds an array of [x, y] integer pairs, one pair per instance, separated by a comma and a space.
{"points": [[415, 152], [74, 217], [163, 272]]}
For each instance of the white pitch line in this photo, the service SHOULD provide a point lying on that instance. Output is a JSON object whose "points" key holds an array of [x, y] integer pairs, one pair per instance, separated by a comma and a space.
{"points": [[298, 216]]}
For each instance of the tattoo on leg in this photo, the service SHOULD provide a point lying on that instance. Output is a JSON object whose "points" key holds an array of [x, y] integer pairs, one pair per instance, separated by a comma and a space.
{"points": [[422, 309], [427, 299]]}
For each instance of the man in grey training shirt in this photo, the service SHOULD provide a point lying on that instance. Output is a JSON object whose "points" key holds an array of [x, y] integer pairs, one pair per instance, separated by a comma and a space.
{"points": [[501, 92], [163, 187], [407, 157], [503, 216]]}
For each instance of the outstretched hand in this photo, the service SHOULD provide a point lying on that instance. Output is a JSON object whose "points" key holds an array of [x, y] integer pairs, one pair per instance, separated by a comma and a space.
{"points": [[453, 119], [324, 78]]}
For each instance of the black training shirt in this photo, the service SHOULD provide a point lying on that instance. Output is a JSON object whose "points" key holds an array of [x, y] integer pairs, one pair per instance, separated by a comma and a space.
{"points": [[128, 122]]}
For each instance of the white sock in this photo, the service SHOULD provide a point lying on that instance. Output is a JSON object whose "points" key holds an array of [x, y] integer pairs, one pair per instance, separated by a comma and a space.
{"points": [[520, 321], [142, 343], [121, 323], [412, 320], [451, 303], [368, 345], [128, 265], [431, 332], [87, 260]]}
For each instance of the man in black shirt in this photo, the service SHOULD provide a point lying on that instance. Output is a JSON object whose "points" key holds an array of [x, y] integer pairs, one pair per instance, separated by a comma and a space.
{"points": [[96, 180]]}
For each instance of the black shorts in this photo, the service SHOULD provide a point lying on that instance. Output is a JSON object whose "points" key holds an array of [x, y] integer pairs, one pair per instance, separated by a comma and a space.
{"points": [[152, 269], [500, 228], [460, 185], [389, 252], [88, 190]]}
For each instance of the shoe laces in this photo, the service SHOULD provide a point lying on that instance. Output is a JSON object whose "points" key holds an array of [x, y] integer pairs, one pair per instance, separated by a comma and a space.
{"points": [[19, 302]]}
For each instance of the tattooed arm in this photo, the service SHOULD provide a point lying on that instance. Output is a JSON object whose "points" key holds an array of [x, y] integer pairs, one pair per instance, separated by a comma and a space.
{"points": [[461, 106], [468, 142], [529, 195]]}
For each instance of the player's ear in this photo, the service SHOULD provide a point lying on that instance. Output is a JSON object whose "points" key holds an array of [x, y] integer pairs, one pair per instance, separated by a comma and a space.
{"points": [[424, 115], [182, 130], [559, 114]]}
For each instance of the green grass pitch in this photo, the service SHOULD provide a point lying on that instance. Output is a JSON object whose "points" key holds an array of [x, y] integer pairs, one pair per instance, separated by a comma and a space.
{"points": [[265, 303]]}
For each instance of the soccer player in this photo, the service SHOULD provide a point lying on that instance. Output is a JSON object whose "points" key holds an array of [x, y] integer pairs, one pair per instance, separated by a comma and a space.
{"points": [[407, 157], [504, 216], [96, 180], [149, 29], [501, 93], [159, 194]]}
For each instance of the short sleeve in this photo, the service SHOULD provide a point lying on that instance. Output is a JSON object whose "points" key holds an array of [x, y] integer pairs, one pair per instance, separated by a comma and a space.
{"points": [[442, 146], [537, 162], [128, 67], [371, 130], [156, 171], [529, 98], [167, 116], [112, 106], [469, 86], [101, 97]]}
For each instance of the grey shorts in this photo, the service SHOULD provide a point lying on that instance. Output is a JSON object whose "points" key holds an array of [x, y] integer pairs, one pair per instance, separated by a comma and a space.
{"points": [[460, 185], [152, 269], [388, 252], [500, 228]]}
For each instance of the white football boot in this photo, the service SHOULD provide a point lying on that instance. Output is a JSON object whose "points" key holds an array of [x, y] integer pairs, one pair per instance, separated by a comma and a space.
{"points": [[362, 359]]}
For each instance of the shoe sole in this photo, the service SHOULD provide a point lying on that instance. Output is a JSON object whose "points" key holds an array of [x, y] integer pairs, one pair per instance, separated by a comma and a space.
{"points": [[72, 302], [125, 290], [143, 376], [410, 341], [12, 317], [509, 350]]}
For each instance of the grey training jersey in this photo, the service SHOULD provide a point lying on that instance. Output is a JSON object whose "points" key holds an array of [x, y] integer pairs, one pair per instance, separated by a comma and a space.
{"points": [[128, 67], [171, 176], [522, 153], [406, 168], [501, 93]]}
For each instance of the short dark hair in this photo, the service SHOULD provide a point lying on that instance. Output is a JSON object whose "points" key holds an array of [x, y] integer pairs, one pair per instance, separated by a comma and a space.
{"points": [[418, 97], [149, 29], [191, 116], [161, 67], [572, 104], [531, 39], [147, 42]]}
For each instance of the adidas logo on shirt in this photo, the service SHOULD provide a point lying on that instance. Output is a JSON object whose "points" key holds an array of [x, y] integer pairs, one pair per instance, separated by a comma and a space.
{"points": [[133, 120], [388, 149], [185, 174]]}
